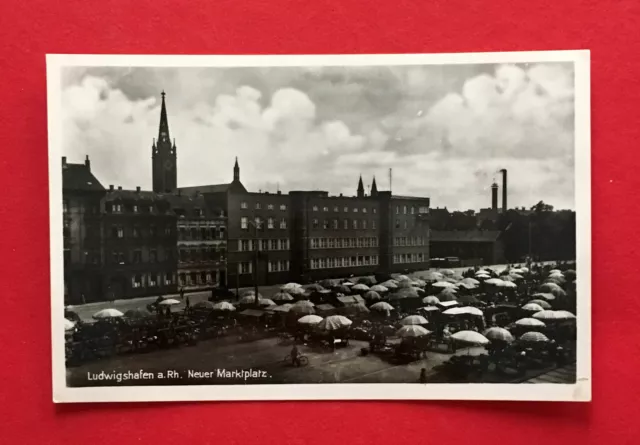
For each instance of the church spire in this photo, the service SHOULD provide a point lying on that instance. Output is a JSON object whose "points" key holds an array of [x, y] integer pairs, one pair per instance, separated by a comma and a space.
{"points": [[236, 171], [360, 188], [163, 133], [374, 187]]}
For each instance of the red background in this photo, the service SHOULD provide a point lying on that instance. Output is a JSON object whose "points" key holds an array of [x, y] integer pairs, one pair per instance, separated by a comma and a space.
{"points": [[30, 29]]}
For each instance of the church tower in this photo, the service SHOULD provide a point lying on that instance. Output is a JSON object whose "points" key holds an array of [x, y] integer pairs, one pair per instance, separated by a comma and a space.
{"points": [[360, 188], [163, 157], [374, 187]]}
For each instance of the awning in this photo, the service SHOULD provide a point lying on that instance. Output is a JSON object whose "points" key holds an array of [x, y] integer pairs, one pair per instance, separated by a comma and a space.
{"points": [[252, 313]]}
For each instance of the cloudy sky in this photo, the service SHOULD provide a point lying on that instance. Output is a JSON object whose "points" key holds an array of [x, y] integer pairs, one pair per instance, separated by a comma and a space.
{"points": [[444, 130]]}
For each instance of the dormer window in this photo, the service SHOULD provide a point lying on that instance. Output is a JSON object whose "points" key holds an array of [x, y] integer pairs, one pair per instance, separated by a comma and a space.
{"points": [[198, 212]]}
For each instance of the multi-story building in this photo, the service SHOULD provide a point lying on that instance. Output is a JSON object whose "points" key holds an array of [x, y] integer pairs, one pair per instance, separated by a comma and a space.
{"points": [[201, 242], [82, 240], [140, 244]]}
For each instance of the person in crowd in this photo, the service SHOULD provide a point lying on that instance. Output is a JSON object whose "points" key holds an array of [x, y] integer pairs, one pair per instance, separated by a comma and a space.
{"points": [[295, 355], [423, 375]]}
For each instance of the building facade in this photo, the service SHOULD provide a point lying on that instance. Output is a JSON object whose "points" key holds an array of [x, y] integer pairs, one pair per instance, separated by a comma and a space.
{"points": [[82, 233], [472, 247], [140, 244]]}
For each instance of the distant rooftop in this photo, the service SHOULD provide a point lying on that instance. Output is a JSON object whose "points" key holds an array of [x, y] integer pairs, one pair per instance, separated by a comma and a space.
{"points": [[79, 177], [465, 235]]}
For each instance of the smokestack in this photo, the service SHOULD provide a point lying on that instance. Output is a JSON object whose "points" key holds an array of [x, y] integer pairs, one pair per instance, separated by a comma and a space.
{"points": [[494, 196], [87, 163], [504, 190]]}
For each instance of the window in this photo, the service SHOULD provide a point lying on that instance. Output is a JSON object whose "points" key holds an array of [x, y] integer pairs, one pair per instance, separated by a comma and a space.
{"points": [[404, 210], [284, 244], [374, 210], [330, 263], [258, 206], [259, 223], [153, 280], [314, 243], [153, 231], [244, 223], [355, 224], [355, 209], [364, 224], [413, 210], [270, 223], [274, 244], [136, 281], [153, 256], [397, 210], [373, 224], [246, 245], [360, 242], [325, 224], [336, 209], [364, 210], [198, 212], [325, 209], [315, 208], [167, 230], [397, 223], [150, 209], [323, 263], [283, 207], [245, 268], [367, 260], [135, 209], [405, 224], [243, 205], [315, 263], [283, 223], [423, 210], [120, 232], [323, 243], [315, 223], [346, 224], [332, 243], [346, 209], [65, 206], [137, 256], [136, 232], [269, 206], [264, 244], [334, 224], [354, 261]]}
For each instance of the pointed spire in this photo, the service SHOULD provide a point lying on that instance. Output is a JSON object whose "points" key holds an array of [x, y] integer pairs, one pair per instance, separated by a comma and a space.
{"points": [[374, 187], [236, 171], [360, 188], [163, 133]]}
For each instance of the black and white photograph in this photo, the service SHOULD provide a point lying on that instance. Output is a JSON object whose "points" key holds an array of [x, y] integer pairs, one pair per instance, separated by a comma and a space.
{"points": [[320, 227]]}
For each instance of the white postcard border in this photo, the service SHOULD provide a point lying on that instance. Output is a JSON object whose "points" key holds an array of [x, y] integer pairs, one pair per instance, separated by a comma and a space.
{"points": [[580, 391]]}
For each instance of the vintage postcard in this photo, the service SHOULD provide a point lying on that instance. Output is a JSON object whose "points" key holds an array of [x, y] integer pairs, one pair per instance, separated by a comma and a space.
{"points": [[320, 227]]}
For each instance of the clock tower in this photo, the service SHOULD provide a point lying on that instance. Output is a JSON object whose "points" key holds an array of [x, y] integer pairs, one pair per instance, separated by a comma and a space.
{"points": [[163, 157]]}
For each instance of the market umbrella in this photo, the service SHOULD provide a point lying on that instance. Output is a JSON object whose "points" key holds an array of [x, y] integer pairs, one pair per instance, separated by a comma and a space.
{"points": [[570, 274], [360, 287], [390, 284], [530, 322], [287, 287], [544, 295], [327, 283], [334, 322], [568, 315], [295, 291], [516, 276], [198, 305], [532, 307], [347, 283], [381, 306], [283, 308], [552, 271], [498, 334], [516, 271], [447, 294], [403, 284], [413, 319], [250, 292], [308, 310], [69, 325], [266, 302], [224, 306], [533, 337], [550, 315], [107, 313], [431, 276], [448, 272], [466, 310], [138, 313], [550, 288], [443, 285], [169, 302], [542, 303], [372, 295], [400, 277], [402, 294], [249, 299], [359, 308], [369, 281], [310, 319], [495, 282], [419, 283], [470, 338], [314, 287], [507, 278], [468, 286], [509, 285], [379, 288], [431, 299], [468, 299], [412, 331], [282, 296], [471, 281]]}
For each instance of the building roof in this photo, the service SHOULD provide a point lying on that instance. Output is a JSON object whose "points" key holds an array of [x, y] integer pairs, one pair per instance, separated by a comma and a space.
{"points": [[188, 204], [134, 196], [235, 186], [79, 177], [487, 236]]}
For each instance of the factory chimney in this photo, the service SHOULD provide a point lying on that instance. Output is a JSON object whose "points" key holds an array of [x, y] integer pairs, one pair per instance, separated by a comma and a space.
{"points": [[494, 197], [504, 190]]}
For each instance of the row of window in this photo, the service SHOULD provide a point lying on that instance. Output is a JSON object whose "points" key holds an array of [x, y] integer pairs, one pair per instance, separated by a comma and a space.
{"points": [[245, 268], [258, 223], [196, 255], [258, 206], [338, 243], [352, 261], [138, 232], [204, 233], [151, 280], [279, 266], [198, 278], [404, 224], [344, 209], [402, 258], [409, 241], [412, 210], [247, 245], [335, 224], [119, 257]]}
